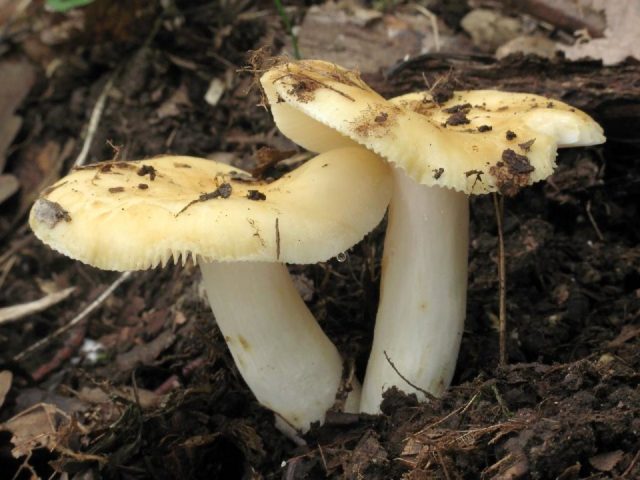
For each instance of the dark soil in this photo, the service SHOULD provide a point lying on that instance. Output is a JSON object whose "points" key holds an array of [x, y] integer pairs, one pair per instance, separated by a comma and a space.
{"points": [[567, 405]]}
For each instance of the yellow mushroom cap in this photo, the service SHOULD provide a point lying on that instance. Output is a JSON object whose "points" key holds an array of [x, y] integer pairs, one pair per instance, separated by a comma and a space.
{"points": [[475, 142], [140, 214]]}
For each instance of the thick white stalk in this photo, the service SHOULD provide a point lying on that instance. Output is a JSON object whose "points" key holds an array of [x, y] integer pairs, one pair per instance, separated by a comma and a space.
{"points": [[282, 353], [423, 292]]}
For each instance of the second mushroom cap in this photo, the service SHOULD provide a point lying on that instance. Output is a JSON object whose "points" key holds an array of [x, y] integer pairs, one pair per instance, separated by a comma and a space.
{"points": [[139, 214], [473, 141]]}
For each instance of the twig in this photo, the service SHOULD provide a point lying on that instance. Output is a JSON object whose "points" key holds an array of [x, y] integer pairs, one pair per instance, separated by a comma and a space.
{"points": [[593, 222], [517, 468], [421, 390], [434, 24], [287, 26], [498, 465], [26, 466], [292, 464], [631, 465], [96, 113], [498, 203], [80, 317], [459, 410], [324, 460], [16, 312], [501, 402], [134, 384], [94, 121]]}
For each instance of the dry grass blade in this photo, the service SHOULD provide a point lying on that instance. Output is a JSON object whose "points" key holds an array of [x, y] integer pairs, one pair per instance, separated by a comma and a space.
{"points": [[16, 312], [94, 121]]}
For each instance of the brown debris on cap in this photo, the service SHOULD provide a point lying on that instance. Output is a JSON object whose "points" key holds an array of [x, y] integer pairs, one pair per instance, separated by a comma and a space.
{"points": [[498, 116], [457, 118], [147, 170], [442, 92], [195, 207], [511, 173], [413, 134]]}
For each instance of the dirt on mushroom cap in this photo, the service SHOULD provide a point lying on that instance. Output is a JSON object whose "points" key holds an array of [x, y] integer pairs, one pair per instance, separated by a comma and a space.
{"points": [[210, 210], [486, 140], [464, 132]]}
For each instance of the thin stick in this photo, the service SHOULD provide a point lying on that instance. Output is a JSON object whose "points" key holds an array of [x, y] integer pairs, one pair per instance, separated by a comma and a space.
{"points": [[422, 390], [631, 465], [498, 203], [593, 222], [94, 121], [459, 410], [324, 460], [80, 317]]}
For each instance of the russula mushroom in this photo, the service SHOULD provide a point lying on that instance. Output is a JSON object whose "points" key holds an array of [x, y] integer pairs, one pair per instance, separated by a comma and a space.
{"points": [[443, 149], [140, 214]]}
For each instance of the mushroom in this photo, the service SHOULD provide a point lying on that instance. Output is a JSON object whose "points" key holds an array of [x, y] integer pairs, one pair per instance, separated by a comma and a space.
{"points": [[444, 148], [140, 214]]}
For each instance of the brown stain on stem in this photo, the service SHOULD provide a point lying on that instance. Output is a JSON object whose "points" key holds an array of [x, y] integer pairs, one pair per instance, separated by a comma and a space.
{"points": [[244, 343]]}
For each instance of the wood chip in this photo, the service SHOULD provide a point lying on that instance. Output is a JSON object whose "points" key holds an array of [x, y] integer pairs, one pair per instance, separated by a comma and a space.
{"points": [[605, 462]]}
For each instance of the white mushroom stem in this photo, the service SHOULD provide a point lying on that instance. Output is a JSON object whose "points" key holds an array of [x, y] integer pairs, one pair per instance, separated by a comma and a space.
{"points": [[423, 292], [282, 353]]}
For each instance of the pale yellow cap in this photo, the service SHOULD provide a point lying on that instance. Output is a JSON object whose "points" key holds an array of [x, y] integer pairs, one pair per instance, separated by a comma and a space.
{"points": [[475, 142], [140, 214]]}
